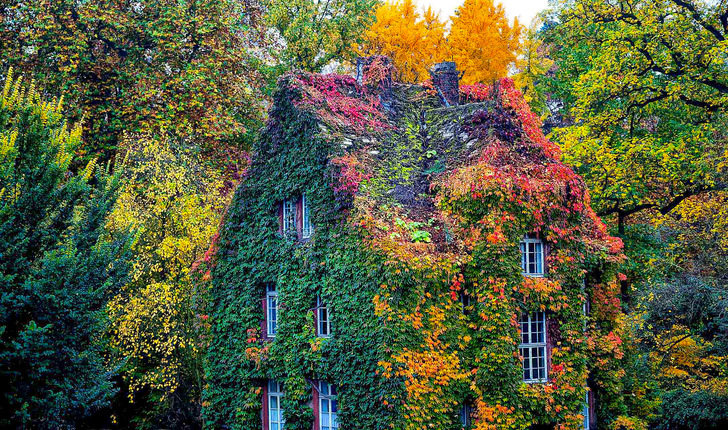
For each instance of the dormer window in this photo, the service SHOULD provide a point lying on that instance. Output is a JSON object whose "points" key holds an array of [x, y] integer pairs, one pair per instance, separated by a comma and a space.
{"points": [[533, 346], [532, 257], [323, 323], [271, 301]]}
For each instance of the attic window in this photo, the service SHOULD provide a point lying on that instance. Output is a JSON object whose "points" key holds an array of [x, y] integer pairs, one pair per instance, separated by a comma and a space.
{"points": [[294, 218], [532, 257], [533, 346]]}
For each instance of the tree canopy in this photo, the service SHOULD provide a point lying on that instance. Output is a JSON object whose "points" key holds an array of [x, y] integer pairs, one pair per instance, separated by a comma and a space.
{"points": [[316, 32], [131, 66], [480, 40], [646, 87]]}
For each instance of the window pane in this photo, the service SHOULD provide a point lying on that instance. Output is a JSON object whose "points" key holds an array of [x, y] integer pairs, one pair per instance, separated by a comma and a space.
{"points": [[307, 230], [532, 257], [541, 338], [523, 256], [289, 216], [323, 316]]}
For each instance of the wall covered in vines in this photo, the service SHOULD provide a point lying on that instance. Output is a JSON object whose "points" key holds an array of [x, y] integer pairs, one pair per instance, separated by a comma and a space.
{"points": [[415, 206]]}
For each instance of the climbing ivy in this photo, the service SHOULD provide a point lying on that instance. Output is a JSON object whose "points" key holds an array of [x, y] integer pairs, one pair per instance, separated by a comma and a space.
{"points": [[414, 207]]}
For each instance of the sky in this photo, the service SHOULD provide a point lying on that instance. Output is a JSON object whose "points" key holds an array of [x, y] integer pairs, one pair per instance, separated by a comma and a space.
{"points": [[525, 10]]}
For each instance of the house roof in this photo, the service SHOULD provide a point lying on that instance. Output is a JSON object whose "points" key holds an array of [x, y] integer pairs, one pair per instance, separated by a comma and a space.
{"points": [[409, 160]]}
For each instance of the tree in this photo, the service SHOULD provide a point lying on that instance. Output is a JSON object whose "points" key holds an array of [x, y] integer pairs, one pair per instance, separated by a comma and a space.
{"points": [[482, 41], [533, 64], [316, 32], [413, 41], [58, 267], [645, 83], [175, 202], [131, 66]]}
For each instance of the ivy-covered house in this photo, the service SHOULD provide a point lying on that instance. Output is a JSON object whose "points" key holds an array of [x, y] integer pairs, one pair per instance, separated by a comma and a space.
{"points": [[407, 257]]}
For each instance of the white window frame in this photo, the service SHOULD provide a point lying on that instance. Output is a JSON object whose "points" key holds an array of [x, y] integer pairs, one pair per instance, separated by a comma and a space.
{"points": [[271, 310], [307, 227], [321, 311], [276, 420], [587, 425], [534, 346], [289, 216], [535, 256], [327, 396]]}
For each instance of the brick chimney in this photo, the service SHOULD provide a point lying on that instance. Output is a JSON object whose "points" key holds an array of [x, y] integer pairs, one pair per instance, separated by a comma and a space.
{"points": [[375, 73], [445, 79]]}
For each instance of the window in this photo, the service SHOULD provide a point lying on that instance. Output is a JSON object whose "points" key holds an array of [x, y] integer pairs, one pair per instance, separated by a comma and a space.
{"points": [[586, 412], [289, 216], [533, 346], [275, 411], [532, 258], [271, 301], [322, 319], [466, 412], [464, 301], [328, 408], [307, 229]]}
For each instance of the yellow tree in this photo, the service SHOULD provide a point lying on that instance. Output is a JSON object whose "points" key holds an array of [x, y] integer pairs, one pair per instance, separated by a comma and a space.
{"points": [[174, 203], [482, 41], [532, 65], [413, 41]]}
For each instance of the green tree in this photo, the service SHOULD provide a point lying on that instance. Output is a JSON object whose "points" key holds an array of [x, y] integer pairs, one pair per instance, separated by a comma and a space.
{"points": [[316, 32], [645, 84], [57, 267], [129, 66], [532, 64], [645, 98]]}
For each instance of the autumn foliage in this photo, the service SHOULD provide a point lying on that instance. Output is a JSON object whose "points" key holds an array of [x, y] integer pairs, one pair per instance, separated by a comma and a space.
{"points": [[480, 40]]}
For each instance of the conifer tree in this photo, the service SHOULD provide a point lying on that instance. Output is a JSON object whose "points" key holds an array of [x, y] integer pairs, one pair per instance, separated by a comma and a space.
{"points": [[57, 267]]}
